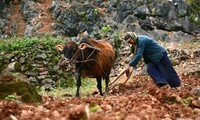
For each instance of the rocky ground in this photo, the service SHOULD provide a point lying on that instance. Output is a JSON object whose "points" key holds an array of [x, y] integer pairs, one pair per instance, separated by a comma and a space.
{"points": [[139, 99]]}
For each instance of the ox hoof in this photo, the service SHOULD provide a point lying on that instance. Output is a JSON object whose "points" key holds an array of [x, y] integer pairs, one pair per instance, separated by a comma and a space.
{"points": [[77, 96], [95, 93]]}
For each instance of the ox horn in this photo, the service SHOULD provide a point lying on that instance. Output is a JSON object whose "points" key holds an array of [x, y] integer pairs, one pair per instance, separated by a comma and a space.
{"points": [[59, 48], [82, 46]]}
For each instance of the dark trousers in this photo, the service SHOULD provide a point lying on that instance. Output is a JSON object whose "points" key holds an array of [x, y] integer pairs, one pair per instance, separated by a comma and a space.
{"points": [[163, 72]]}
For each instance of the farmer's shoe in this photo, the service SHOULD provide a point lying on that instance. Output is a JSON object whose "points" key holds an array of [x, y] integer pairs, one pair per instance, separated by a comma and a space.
{"points": [[161, 84]]}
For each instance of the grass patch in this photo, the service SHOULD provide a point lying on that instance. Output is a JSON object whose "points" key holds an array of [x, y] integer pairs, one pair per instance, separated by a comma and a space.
{"points": [[87, 88]]}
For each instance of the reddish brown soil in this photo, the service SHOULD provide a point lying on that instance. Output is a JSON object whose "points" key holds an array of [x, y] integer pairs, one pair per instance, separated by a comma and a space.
{"points": [[140, 99], [16, 16], [45, 16]]}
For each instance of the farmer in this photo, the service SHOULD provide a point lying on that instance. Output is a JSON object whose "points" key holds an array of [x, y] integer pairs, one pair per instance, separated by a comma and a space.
{"points": [[155, 56]]}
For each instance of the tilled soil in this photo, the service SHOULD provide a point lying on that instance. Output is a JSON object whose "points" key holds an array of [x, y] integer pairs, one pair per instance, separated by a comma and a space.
{"points": [[139, 99]]}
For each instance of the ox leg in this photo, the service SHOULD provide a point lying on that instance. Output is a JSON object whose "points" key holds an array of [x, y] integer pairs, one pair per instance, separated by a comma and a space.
{"points": [[99, 79], [78, 84], [107, 85]]}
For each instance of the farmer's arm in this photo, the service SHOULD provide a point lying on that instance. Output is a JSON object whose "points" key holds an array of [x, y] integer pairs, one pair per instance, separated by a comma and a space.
{"points": [[142, 43], [138, 55]]}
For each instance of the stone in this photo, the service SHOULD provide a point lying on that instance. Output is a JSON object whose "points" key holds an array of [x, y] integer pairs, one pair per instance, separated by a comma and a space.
{"points": [[27, 93]]}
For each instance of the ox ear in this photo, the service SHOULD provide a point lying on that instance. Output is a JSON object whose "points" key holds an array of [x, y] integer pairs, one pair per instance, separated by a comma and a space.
{"points": [[59, 48]]}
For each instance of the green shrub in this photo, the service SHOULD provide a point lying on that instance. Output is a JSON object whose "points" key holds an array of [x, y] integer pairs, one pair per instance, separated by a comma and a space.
{"points": [[195, 5], [27, 43]]}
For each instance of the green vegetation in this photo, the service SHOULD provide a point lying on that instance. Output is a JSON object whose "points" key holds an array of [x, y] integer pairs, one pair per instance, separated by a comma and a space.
{"points": [[193, 17], [27, 43], [87, 88], [117, 41], [106, 29], [153, 12], [29, 49], [117, 36], [66, 81], [195, 5], [186, 101], [11, 97], [182, 14], [94, 108], [25, 53], [85, 17]]}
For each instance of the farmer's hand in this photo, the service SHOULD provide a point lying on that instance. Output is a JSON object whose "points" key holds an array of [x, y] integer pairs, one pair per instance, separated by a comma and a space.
{"points": [[129, 71]]}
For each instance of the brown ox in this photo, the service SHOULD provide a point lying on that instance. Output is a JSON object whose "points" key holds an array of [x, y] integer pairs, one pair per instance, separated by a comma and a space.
{"points": [[91, 58]]}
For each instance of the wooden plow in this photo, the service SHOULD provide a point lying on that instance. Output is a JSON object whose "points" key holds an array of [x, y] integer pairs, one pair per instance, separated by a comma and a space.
{"points": [[122, 75]]}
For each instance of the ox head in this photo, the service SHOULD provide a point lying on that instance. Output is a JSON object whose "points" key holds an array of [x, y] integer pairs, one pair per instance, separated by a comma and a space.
{"points": [[70, 51]]}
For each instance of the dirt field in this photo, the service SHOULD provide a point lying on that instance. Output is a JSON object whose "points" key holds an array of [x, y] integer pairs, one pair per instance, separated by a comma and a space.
{"points": [[140, 99]]}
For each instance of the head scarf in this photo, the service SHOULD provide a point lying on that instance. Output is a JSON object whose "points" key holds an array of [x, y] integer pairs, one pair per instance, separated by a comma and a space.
{"points": [[133, 36]]}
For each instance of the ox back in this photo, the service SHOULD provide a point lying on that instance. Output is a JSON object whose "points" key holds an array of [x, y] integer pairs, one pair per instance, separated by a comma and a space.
{"points": [[97, 63]]}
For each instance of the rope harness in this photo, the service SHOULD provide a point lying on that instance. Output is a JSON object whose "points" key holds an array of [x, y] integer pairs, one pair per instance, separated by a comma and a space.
{"points": [[72, 62]]}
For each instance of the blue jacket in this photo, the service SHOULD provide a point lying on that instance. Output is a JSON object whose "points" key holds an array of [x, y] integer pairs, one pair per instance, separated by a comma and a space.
{"points": [[149, 49]]}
